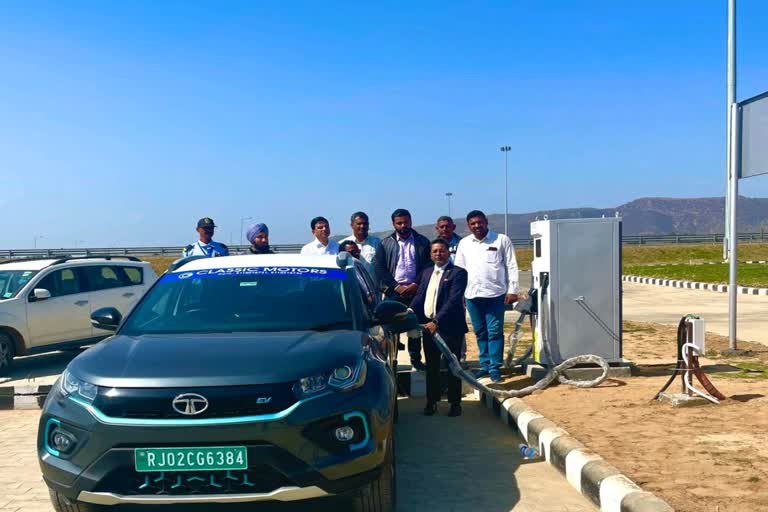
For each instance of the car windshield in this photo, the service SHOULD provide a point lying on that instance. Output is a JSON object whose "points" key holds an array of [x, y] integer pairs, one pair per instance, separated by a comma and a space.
{"points": [[11, 281], [244, 299]]}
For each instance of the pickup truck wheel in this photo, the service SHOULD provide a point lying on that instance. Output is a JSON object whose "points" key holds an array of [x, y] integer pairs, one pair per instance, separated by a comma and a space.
{"points": [[7, 351]]}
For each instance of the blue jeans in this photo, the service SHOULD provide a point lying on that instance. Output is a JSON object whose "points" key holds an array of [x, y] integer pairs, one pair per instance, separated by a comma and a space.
{"points": [[487, 315]]}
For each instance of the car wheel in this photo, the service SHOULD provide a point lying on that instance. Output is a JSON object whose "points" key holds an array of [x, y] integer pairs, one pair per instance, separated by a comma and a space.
{"points": [[380, 495], [7, 351], [64, 504]]}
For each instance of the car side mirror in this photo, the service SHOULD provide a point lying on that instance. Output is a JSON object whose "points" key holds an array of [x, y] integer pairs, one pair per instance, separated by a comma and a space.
{"points": [[40, 294], [395, 315], [106, 318]]}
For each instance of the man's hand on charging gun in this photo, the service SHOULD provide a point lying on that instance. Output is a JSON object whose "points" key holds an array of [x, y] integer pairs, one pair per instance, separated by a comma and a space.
{"points": [[511, 298], [431, 328]]}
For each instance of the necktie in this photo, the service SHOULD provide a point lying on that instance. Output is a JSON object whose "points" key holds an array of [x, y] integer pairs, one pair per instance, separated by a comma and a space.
{"points": [[430, 302]]}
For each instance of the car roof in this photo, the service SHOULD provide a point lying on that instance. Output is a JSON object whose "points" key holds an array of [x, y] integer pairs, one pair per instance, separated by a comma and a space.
{"points": [[41, 264], [260, 260], [26, 265]]}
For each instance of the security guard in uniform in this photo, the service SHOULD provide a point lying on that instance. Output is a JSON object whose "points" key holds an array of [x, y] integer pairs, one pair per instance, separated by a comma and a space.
{"points": [[205, 246]]}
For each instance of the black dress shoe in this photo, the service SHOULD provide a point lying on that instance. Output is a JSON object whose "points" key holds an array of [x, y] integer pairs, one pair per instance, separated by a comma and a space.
{"points": [[455, 410], [430, 409]]}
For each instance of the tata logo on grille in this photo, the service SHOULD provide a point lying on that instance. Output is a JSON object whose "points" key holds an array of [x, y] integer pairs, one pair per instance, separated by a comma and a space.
{"points": [[190, 404]]}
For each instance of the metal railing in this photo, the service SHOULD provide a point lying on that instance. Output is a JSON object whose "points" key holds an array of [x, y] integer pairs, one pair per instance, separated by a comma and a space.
{"points": [[170, 251], [175, 251]]}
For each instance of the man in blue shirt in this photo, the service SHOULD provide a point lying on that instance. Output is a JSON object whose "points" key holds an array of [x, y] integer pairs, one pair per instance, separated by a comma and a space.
{"points": [[445, 229], [205, 246]]}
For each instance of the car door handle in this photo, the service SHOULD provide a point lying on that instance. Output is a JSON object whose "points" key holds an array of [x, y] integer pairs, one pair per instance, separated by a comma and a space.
{"points": [[128, 294], [81, 303]]}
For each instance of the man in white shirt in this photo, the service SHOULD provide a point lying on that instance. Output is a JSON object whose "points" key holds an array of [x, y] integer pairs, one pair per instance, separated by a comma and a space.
{"points": [[368, 244], [490, 262], [322, 244]]}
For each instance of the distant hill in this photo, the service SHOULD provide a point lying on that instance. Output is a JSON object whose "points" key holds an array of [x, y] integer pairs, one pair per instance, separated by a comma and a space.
{"points": [[646, 216]]}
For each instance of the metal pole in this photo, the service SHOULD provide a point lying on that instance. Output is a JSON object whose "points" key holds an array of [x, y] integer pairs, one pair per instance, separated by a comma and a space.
{"points": [[448, 195], [733, 241], [241, 242], [506, 150], [730, 100]]}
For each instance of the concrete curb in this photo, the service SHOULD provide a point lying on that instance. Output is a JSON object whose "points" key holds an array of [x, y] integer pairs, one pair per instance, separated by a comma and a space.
{"points": [[690, 285], [23, 397], [585, 470]]}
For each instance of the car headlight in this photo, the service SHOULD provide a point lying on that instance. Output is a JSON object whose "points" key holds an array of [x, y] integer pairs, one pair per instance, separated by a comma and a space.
{"points": [[347, 378], [343, 378], [72, 386]]}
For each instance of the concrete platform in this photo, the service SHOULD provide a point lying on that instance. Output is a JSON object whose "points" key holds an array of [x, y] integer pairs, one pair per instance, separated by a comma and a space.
{"points": [[683, 400]]}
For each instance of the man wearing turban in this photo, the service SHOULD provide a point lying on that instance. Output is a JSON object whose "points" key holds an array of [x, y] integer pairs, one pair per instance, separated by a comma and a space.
{"points": [[258, 235]]}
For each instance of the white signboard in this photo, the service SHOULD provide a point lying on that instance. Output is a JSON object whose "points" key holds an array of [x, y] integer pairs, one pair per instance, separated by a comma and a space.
{"points": [[754, 136]]}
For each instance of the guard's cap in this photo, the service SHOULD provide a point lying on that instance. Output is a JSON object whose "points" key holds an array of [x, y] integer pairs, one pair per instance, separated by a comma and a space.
{"points": [[206, 222]]}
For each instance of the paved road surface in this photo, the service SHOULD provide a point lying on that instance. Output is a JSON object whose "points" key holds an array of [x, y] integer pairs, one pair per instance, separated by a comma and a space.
{"points": [[462, 464], [650, 303]]}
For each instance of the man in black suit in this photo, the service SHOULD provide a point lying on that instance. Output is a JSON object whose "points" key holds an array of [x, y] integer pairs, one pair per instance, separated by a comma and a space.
{"points": [[439, 305]]}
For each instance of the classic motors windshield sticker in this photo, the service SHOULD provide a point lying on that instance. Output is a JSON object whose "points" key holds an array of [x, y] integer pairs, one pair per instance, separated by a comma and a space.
{"points": [[327, 273]]}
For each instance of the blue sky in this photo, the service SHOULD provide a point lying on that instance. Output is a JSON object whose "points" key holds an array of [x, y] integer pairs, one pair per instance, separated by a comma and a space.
{"points": [[123, 123]]}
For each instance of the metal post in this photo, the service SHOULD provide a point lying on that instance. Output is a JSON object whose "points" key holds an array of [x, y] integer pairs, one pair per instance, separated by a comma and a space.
{"points": [[733, 240], [730, 100], [449, 195], [241, 228], [506, 150]]}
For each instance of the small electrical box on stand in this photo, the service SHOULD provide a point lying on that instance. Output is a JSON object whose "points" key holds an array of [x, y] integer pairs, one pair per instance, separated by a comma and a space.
{"points": [[690, 345]]}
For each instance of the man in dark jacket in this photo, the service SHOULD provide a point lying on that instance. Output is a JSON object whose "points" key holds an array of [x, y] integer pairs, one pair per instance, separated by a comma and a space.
{"points": [[439, 305], [399, 261]]}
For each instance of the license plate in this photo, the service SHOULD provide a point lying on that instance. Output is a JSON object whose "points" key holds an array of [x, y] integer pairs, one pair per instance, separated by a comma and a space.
{"points": [[213, 458]]}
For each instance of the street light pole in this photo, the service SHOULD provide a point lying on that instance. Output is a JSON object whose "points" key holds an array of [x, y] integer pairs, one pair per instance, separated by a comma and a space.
{"points": [[506, 150], [242, 219], [35, 239], [449, 195]]}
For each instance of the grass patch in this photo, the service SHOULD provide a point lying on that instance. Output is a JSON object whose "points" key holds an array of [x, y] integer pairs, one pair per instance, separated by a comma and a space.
{"points": [[746, 370], [631, 328], [693, 253], [160, 263], [749, 275]]}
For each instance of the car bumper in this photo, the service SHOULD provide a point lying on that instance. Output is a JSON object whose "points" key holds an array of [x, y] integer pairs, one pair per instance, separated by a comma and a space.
{"points": [[286, 463], [281, 494]]}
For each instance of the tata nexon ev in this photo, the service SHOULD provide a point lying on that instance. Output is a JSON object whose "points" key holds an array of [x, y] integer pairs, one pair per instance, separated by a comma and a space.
{"points": [[234, 379]]}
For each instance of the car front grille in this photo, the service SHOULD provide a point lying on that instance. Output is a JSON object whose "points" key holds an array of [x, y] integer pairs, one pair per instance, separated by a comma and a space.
{"points": [[257, 479], [222, 402]]}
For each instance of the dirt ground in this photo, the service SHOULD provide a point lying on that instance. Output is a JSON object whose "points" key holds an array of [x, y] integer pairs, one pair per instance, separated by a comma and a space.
{"points": [[703, 458]]}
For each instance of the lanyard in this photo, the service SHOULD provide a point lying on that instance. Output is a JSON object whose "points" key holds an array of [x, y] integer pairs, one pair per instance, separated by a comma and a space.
{"points": [[206, 253]]}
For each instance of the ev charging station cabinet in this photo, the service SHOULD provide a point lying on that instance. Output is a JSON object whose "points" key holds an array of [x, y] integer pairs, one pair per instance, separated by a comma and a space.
{"points": [[577, 275]]}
